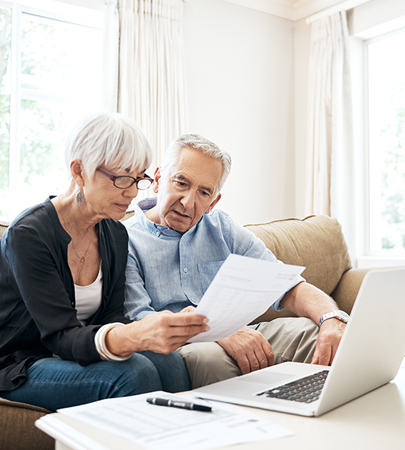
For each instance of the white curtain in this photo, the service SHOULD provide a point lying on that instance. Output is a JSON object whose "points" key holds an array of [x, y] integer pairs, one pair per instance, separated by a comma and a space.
{"points": [[330, 146], [151, 81]]}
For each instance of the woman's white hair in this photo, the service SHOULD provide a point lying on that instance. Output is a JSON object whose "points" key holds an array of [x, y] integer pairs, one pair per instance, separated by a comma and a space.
{"points": [[109, 139], [203, 145]]}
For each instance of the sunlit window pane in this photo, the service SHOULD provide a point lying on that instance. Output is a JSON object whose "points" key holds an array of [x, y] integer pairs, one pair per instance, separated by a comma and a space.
{"points": [[44, 127], [54, 79], [5, 42], [386, 69], [58, 57]]}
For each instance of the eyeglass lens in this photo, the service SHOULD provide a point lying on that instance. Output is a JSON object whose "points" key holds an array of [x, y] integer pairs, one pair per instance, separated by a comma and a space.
{"points": [[126, 182], [144, 183]]}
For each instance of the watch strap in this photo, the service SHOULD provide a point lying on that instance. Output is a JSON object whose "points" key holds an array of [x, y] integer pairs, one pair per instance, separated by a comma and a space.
{"points": [[338, 314]]}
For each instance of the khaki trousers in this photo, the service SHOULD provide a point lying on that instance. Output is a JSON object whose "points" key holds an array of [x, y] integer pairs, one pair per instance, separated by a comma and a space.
{"points": [[292, 339]]}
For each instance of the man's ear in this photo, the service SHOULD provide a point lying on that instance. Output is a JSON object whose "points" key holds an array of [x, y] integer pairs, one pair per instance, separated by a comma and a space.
{"points": [[156, 179], [76, 169], [213, 204]]}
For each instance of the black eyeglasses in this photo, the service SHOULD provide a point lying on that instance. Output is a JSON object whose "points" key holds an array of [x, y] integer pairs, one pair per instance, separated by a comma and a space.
{"points": [[127, 182]]}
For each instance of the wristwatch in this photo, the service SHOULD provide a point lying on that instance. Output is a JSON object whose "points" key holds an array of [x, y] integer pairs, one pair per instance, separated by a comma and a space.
{"points": [[340, 315]]}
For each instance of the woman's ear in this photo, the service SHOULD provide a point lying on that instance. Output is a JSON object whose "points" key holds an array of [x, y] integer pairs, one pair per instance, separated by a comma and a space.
{"points": [[76, 169]]}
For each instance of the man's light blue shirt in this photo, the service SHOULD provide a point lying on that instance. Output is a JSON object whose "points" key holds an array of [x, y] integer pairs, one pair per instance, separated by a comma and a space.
{"points": [[169, 271]]}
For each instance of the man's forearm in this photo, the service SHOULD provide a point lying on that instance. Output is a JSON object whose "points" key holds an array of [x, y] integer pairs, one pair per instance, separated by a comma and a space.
{"points": [[306, 300]]}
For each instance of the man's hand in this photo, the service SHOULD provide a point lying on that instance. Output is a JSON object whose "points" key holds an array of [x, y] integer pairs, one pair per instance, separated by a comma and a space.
{"points": [[306, 300], [188, 309], [161, 332], [330, 334], [249, 349]]}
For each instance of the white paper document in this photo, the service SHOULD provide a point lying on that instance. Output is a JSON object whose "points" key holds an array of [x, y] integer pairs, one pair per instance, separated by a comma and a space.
{"points": [[159, 427], [242, 290]]}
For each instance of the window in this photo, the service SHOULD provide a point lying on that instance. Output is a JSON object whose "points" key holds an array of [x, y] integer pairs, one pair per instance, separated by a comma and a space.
{"points": [[386, 144], [50, 71]]}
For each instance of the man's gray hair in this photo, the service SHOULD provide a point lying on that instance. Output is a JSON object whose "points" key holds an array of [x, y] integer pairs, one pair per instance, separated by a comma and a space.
{"points": [[109, 139], [203, 145]]}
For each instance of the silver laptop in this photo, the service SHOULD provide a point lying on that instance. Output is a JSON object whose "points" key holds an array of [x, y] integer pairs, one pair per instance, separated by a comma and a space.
{"points": [[369, 356]]}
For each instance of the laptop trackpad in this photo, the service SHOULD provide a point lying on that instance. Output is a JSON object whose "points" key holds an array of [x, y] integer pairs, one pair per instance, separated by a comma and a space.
{"points": [[268, 378], [248, 385]]}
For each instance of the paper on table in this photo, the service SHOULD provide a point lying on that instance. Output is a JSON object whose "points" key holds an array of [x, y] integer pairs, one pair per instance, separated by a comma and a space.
{"points": [[156, 427], [243, 289]]}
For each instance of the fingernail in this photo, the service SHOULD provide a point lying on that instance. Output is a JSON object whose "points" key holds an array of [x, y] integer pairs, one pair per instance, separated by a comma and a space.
{"points": [[205, 320], [207, 328]]}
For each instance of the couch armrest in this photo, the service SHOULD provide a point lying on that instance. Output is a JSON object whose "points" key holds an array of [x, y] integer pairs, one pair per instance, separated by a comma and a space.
{"points": [[344, 295], [3, 228], [18, 430], [346, 291]]}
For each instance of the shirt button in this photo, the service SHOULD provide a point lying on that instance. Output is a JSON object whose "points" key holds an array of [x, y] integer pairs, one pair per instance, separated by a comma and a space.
{"points": [[185, 269]]}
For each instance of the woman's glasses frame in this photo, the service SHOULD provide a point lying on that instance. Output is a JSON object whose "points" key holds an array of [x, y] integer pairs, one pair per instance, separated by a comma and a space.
{"points": [[125, 182]]}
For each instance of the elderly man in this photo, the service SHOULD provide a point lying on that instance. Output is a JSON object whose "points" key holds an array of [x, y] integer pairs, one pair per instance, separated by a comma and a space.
{"points": [[177, 243]]}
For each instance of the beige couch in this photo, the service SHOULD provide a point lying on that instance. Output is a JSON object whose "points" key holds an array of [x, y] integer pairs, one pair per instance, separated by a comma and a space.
{"points": [[315, 242]]}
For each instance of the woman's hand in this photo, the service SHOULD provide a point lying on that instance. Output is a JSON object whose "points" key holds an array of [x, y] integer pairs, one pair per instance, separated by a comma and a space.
{"points": [[161, 332]]}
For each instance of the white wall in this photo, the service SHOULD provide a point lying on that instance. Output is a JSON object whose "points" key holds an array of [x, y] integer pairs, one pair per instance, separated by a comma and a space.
{"points": [[240, 80]]}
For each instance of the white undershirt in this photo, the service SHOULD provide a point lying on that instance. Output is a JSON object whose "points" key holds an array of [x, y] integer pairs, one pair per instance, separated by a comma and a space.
{"points": [[88, 298]]}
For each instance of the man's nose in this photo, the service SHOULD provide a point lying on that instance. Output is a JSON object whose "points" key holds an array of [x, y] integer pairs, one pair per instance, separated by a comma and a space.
{"points": [[188, 199]]}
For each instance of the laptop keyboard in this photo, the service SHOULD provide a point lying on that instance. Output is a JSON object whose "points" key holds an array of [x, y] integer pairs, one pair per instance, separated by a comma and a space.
{"points": [[304, 390]]}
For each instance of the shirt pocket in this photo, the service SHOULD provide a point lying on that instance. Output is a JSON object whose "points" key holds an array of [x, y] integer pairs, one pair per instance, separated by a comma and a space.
{"points": [[207, 272]]}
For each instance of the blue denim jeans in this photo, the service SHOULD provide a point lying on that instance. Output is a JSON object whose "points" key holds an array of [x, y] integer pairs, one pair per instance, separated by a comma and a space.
{"points": [[54, 383]]}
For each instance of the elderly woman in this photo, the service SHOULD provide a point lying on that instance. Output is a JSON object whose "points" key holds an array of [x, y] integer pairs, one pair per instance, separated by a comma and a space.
{"points": [[64, 339]]}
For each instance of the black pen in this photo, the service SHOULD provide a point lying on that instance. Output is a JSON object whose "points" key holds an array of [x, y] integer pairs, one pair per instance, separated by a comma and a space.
{"points": [[177, 404]]}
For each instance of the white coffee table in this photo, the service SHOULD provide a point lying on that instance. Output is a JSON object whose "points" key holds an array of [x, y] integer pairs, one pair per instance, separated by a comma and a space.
{"points": [[375, 421]]}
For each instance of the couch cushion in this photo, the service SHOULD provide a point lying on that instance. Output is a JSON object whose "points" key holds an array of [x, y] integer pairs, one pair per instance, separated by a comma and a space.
{"points": [[18, 430], [128, 214], [316, 242], [3, 227]]}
